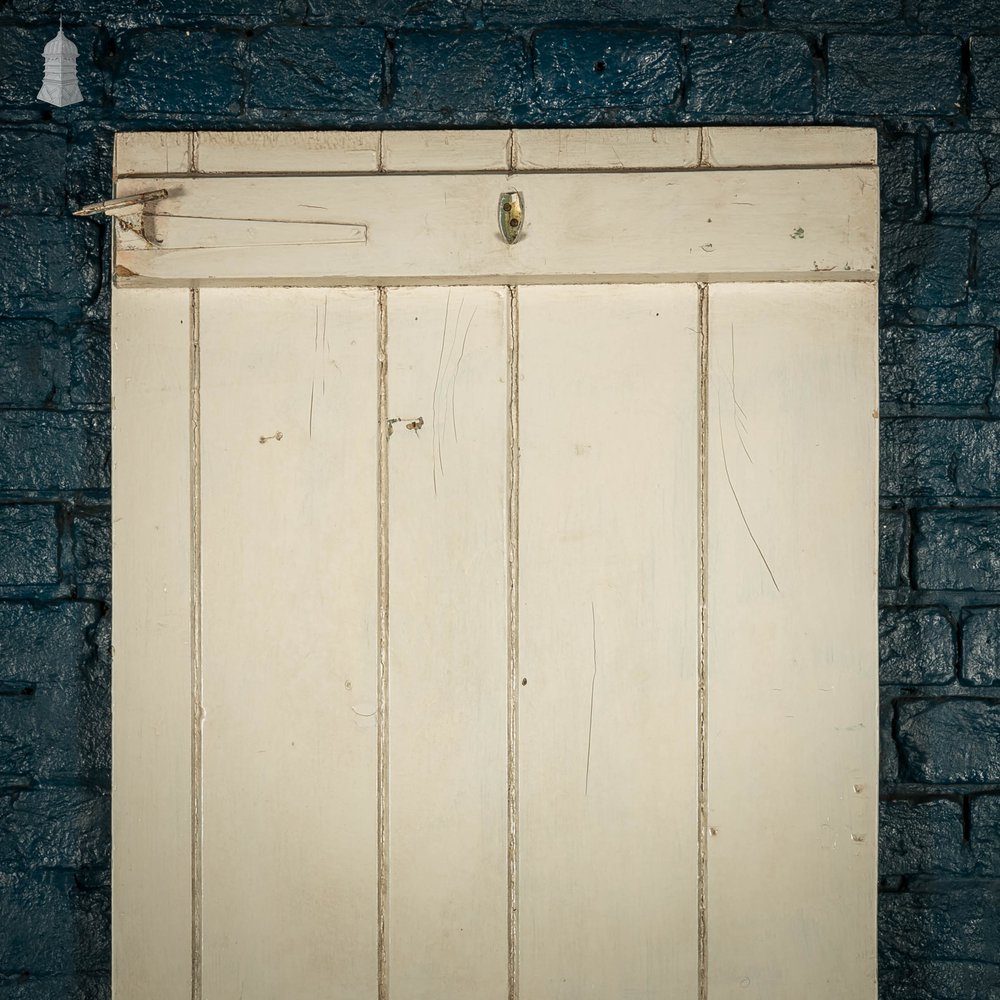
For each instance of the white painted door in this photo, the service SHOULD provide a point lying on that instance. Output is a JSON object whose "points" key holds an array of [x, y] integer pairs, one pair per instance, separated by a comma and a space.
{"points": [[495, 620]]}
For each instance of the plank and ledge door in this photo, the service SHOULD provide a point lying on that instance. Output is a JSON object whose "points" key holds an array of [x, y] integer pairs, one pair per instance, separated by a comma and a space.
{"points": [[472, 640]]}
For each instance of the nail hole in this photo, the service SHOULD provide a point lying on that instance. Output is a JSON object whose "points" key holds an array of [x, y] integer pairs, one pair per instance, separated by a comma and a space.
{"points": [[600, 66], [524, 682]]}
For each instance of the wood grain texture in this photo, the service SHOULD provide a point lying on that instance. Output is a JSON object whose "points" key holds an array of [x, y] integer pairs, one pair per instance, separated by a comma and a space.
{"points": [[790, 146], [289, 525], [605, 149], [151, 638], [608, 636], [792, 652], [447, 356], [448, 152], [585, 227]]}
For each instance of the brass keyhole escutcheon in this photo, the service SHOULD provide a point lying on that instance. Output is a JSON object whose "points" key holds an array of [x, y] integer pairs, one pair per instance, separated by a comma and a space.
{"points": [[511, 216]]}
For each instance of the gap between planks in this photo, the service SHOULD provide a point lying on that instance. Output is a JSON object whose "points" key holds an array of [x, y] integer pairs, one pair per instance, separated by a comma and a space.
{"points": [[197, 705], [382, 644], [703, 301], [513, 658]]}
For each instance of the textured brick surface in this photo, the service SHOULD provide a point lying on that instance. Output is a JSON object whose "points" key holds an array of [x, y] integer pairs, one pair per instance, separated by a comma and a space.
{"points": [[916, 646], [489, 82], [950, 741], [29, 542], [958, 550], [940, 458], [584, 69], [880, 74], [233, 64], [981, 646], [937, 367], [775, 74], [922, 838]]}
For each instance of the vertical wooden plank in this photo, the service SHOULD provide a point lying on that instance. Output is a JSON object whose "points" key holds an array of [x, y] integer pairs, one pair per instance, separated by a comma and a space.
{"points": [[447, 351], [289, 522], [792, 656], [151, 681], [608, 641]]}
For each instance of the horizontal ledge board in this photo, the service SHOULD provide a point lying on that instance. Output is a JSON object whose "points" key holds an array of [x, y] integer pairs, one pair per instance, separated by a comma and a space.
{"points": [[578, 227], [168, 154]]}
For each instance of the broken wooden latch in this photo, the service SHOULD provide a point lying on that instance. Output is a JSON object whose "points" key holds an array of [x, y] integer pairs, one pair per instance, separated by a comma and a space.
{"points": [[130, 212]]}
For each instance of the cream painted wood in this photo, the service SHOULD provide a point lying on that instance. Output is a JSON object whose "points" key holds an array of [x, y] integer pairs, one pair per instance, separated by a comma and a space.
{"points": [[669, 227], [160, 153], [446, 151], [608, 748], [793, 728], [447, 391], [605, 149], [501, 150], [550, 528], [817, 146], [289, 528], [285, 152], [151, 637]]}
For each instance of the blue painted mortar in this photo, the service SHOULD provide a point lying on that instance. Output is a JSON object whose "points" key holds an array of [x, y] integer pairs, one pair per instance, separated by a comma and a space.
{"points": [[925, 73]]}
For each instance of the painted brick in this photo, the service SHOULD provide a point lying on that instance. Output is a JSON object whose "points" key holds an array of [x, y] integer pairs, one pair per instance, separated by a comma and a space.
{"points": [[949, 741], [80, 986], [957, 550], [962, 16], [836, 11], [988, 260], [893, 537], [90, 368], [51, 925], [92, 548], [925, 264], [487, 81], [54, 451], [984, 813], [985, 67], [922, 838], [981, 646], [317, 70], [32, 171], [888, 753], [56, 269], [964, 169], [886, 75], [900, 182], [42, 642], [936, 366], [29, 545], [675, 13], [55, 828], [957, 926], [583, 69], [88, 166], [34, 363], [758, 73], [21, 66], [185, 72], [396, 13], [57, 732], [940, 458], [165, 13], [916, 646]]}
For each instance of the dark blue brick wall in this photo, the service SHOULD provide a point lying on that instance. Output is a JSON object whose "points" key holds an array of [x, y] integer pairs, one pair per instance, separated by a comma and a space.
{"points": [[925, 73]]}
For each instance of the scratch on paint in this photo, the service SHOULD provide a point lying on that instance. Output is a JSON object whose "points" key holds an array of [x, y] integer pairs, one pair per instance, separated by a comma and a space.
{"points": [[593, 688], [739, 414], [458, 364], [435, 448], [739, 506]]}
